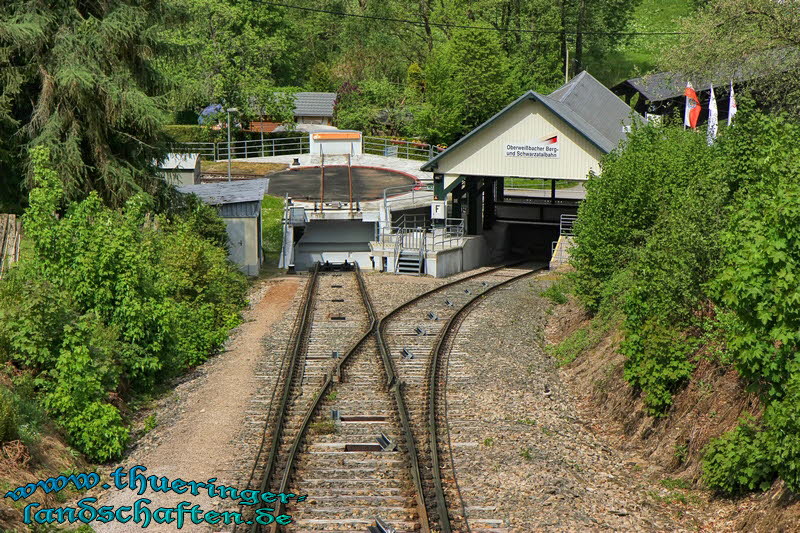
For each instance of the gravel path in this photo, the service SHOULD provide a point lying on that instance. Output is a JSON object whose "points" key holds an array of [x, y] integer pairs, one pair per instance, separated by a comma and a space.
{"points": [[200, 425], [520, 453]]}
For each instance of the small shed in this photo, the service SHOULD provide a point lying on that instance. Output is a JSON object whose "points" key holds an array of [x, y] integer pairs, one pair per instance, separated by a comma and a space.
{"points": [[239, 205], [181, 169], [314, 108]]}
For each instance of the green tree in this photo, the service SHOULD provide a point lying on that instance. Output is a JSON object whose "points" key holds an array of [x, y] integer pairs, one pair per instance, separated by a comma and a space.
{"points": [[111, 301], [759, 39], [236, 48], [598, 27], [80, 79], [467, 82]]}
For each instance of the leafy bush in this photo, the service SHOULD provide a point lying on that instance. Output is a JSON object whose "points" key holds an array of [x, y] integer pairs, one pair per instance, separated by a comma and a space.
{"points": [[555, 293], [701, 244], [782, 427], [658, 362], [738, 461], [759, 283], [623, 206], [8, 415], [272, 223], [112, 302]]}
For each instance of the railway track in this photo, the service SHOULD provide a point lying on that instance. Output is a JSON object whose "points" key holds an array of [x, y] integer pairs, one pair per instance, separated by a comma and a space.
{"points": [[357, 431], [439, 445], [416, 333]]}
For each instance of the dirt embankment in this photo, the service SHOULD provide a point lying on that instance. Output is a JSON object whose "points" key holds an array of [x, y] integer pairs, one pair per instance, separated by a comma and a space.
{"points": [[670, 447]]}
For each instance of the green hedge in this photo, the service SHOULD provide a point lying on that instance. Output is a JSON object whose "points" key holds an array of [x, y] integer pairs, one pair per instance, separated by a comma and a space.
{"points": [[198, 133], [700, 246]]}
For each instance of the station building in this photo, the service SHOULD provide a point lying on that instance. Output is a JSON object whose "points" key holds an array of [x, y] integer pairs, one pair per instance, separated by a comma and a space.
{"points": [[555, 139], [464, 208]]}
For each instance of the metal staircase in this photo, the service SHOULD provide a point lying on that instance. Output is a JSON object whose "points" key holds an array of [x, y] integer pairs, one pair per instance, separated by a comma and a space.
{"points": [[409, 251], [409, 262], [406, 245]]}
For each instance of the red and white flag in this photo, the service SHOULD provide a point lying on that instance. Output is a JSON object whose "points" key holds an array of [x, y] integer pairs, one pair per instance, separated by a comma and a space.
{"points": [[693, 108], [731, 106]]}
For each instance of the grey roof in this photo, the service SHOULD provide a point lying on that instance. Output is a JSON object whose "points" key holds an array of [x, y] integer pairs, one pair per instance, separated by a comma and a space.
{"points": [[179, 162], [314, 104], [584, 103], [225, 192], [660, 86], [598, 112]]}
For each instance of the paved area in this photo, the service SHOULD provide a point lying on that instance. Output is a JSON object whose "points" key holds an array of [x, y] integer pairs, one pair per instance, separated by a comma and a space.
{"points": [[306, 183], [409, 166]]}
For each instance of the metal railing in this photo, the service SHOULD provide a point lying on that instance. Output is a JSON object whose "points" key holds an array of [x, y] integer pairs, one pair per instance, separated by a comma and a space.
{"points": [[398, 148], [566, 224], [420, 195], [416, 232], [216, 151]]}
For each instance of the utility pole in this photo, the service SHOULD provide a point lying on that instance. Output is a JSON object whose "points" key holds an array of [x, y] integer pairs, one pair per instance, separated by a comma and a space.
{"points": [[230, 110]]}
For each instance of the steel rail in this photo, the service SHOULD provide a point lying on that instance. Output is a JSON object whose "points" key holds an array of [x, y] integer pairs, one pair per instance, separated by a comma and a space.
{"points": [[441, 503], [376, 327], [329, 379], [394, 384], [281, 412]]}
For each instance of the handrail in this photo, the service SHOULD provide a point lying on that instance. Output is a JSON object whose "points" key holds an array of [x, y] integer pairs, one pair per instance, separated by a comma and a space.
{"points": [[218, 150], [442, 236], [398, 243], [399, 148]]}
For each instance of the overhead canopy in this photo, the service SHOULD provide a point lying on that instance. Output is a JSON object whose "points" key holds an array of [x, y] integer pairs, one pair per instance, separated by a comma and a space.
{"points": [[561, 135]]}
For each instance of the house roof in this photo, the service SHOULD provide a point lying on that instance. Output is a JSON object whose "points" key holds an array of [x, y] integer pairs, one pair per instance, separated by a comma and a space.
{"points": [[179, 162], [584, 103], [314, 104], [228, 192], [660, 86]]}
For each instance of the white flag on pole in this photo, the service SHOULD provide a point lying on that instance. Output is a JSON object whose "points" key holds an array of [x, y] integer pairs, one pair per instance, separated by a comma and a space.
{"points": [[731, 106], [712, 117]]}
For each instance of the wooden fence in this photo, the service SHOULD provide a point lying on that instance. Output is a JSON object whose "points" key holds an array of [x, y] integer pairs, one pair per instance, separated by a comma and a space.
{"points": [[10, 232]]}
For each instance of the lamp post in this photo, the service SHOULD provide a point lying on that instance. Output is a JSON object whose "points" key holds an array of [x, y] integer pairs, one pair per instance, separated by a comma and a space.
{"points": [[230, 110]]}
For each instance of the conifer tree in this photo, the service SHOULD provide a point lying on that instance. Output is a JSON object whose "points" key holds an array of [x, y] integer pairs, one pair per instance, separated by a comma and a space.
{"points": [[80, 78]]}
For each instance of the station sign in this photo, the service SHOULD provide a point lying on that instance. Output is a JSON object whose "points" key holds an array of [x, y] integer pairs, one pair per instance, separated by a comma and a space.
{"points": [[439, 209], [547, 148]]}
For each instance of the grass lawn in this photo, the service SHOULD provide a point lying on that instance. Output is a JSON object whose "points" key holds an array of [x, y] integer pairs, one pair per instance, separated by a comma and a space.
{"points": [[639, 55], [271, 223], [537, 184], [242, 167], [272, 234]]}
